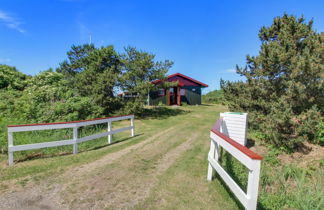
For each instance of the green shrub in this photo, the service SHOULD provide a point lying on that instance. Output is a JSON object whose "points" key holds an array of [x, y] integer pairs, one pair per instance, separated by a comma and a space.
{"points": [[133, 107], [283, 87], [11, 78], [319, 135], [184, 103], [47, 98], [161, 103], [84, 86], [290, 187], [213, 97]]}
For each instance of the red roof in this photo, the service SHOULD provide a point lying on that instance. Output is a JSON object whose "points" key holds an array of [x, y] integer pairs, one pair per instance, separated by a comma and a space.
{"points": [[183, 76]]}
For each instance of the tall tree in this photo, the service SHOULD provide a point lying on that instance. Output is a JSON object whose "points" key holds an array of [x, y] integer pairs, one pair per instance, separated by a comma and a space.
{"points": [[138, 71], [283, 91], [77, 60], [100, 78], [93, 72]]}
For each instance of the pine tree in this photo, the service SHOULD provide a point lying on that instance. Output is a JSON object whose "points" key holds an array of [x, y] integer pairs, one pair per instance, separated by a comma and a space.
{"points": [[139, 69], [283, 91]]}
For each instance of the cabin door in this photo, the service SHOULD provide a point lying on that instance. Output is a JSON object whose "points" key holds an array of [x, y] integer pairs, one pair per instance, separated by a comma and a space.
{"points": [[178, 97], [173, 94]]}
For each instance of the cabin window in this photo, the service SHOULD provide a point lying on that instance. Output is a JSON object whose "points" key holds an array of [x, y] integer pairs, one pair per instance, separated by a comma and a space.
{"points": [[182, 92], [161, 92], [193, 89], [171, 91]]}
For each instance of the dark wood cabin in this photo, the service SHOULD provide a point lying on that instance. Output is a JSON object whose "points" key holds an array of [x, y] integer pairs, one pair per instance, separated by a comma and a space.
{"points": [[188, 90]]}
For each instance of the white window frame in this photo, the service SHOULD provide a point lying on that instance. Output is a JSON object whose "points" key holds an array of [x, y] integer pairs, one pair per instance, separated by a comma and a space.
{"points": [[159, 92], [183, 92]]}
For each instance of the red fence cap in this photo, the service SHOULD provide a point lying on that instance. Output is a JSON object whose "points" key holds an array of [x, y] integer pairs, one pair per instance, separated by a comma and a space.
{"points": [[69, 122], [238, 146]]}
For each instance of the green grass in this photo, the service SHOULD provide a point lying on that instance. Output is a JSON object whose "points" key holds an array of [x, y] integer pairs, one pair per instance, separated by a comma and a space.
{"points": [[183, 185], [213, 97], [290, 187], [47, 161]]}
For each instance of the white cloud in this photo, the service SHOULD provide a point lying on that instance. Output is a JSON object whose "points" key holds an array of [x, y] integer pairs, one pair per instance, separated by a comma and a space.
{"points": [[11, 22], [231, 70]]}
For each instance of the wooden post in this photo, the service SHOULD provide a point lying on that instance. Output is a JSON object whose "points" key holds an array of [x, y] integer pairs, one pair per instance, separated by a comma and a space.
{"points": [[10, 143], [211, 153], [109, 129], [178, 96], [75, 138], [168, 96], [214, 153], [133, 129], [148, 98], [253, 185]]}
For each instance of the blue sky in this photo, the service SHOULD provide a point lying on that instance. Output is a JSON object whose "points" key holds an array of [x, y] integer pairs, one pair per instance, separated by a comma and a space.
{"points": [[205, 39]]}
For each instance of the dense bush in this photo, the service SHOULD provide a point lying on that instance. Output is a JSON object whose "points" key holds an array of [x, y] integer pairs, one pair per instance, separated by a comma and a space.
{"points": [[46, 98], [84, 86], [213, 97], [12, 79], [283, 91]]}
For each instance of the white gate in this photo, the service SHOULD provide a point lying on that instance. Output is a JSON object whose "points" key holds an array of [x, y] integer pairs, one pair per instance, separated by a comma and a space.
{"points": [[247, 157]]}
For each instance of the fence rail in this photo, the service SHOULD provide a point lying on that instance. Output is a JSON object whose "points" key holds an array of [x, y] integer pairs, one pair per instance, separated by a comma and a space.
{"points": [[247, 157], [62, 125]]}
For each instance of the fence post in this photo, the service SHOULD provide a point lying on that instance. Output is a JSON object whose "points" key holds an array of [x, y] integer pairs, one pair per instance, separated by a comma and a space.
{"points": [[75, 138], [253, 185], [132, 124], [109, 129], [211, 153], [10, 143]]}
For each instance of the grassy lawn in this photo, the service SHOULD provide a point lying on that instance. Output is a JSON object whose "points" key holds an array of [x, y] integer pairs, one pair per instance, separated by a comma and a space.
{"points": [[163, 167]]}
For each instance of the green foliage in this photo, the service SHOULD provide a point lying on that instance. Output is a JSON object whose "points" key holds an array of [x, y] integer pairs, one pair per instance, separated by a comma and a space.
{"points": [[213, 97], [184, 103], [291, 187], [8, 101], [282, 186], [271, 157], [99, 73], [94, 72], [84, 86], [319, 135], [11, 79], [235, 168], [161, 104], [77, 61], [133, 107], [138, 71], [47, 98], [283, 91]]}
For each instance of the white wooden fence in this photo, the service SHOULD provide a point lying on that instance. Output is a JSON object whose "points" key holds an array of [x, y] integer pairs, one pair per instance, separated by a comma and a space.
{"points": [[247, 157], [60, 125]]}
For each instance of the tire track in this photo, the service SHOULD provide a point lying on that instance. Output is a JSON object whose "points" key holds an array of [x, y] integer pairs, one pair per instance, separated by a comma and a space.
{"points": [[41, 197]]}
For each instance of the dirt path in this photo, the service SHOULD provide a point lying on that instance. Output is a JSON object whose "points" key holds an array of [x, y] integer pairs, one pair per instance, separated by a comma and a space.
{"points": [[118, 180]]}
